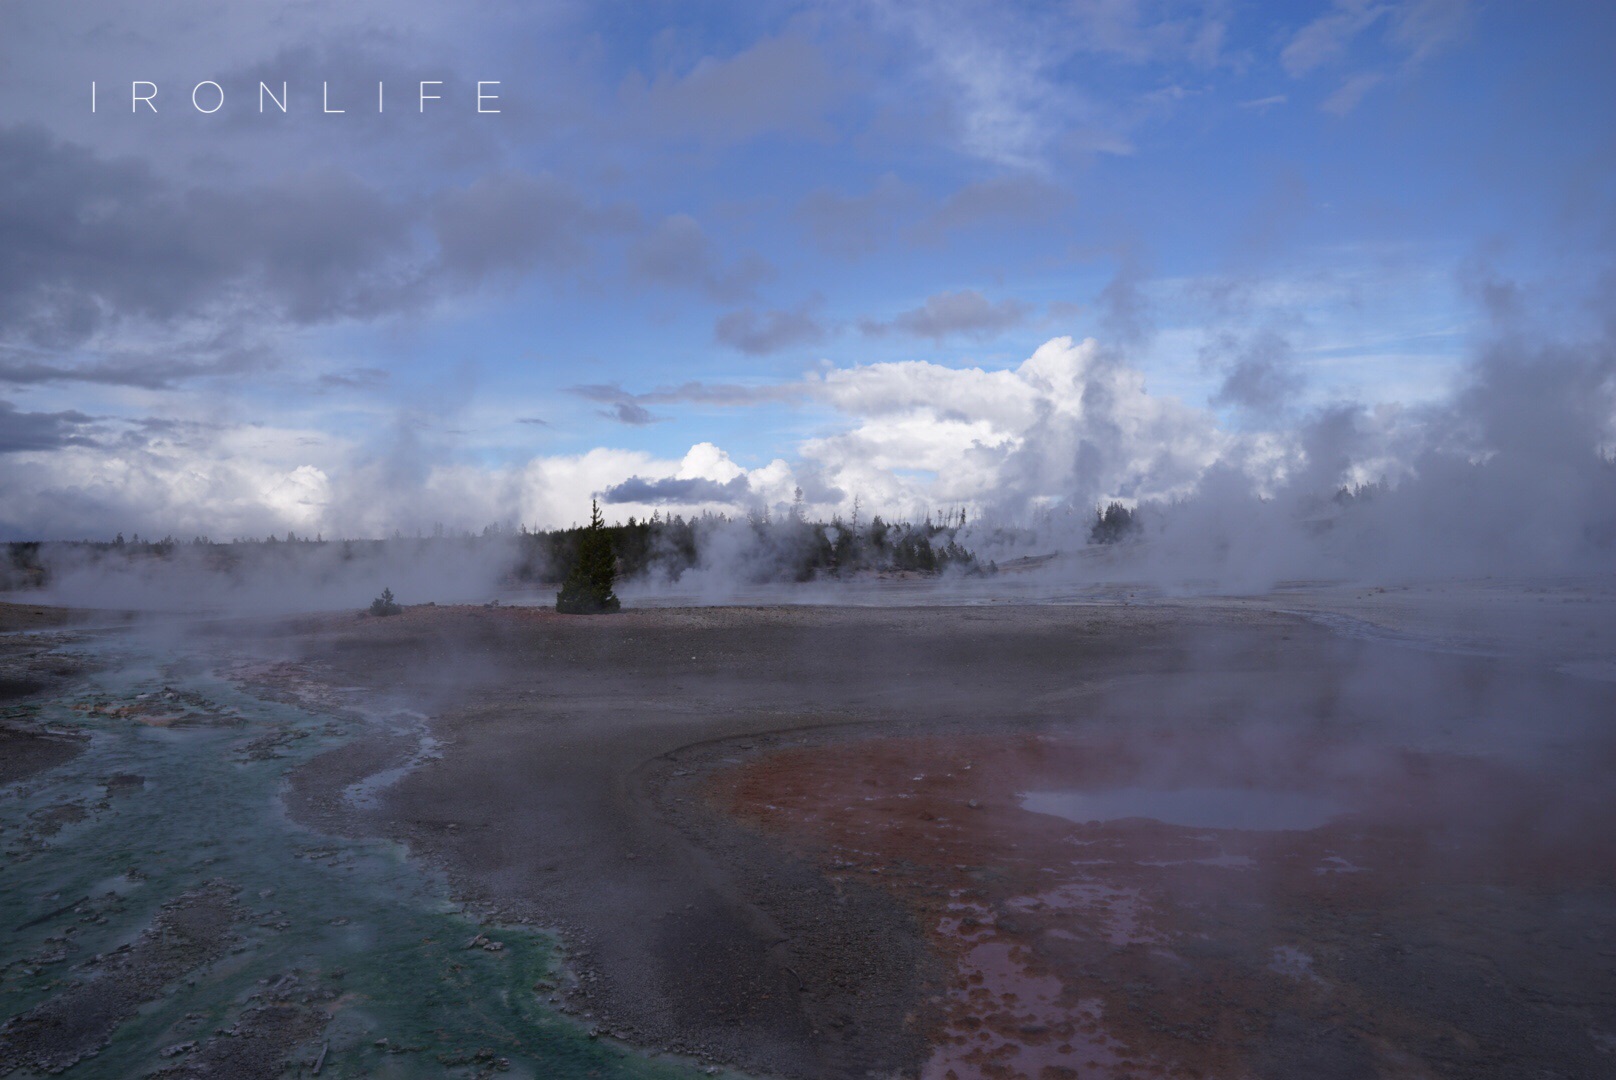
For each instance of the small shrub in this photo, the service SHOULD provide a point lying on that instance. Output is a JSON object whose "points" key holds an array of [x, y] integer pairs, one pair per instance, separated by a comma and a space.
{"points": [[385, 604]]}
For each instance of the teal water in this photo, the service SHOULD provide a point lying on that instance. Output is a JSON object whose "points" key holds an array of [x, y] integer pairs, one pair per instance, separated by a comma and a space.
{"points": [[354, 917]]}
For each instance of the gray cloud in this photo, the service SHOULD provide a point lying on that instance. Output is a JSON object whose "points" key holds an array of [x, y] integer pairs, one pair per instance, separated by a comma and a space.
{"points": [[607, 393], [781, 84], [724, 394], [626, 412], [758, 332], [95, 245], [850, 226], [361, 378], [220, 354], [679, 254], [945, 314], [92, 241], [638, 489], [816, 488], [625, 407], [854, 225], [512, 222], [721, 394], [1018, 198], [22, 431]]}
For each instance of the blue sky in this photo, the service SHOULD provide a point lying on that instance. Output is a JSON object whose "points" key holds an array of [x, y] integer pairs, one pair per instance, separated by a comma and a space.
{"points": [[782, 242]]}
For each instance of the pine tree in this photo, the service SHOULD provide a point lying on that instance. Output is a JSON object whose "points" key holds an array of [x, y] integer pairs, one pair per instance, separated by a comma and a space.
{"points": [[385, 604], [1113, 524], [587, 589]]}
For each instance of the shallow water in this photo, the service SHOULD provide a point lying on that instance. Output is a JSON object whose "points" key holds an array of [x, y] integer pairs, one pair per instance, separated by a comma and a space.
{"points": [[1197, 808], [356, 919]]}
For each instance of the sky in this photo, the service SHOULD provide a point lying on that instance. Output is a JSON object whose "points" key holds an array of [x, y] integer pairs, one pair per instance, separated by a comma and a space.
{"points": [[1000, 257]]}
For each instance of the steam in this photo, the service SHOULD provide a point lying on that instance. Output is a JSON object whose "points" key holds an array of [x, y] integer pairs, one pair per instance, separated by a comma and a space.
{"points": [[274, 578], [1511, 475]]}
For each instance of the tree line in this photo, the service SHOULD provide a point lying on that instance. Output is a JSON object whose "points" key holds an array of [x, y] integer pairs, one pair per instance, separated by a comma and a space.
{"points": [[755, 548]]}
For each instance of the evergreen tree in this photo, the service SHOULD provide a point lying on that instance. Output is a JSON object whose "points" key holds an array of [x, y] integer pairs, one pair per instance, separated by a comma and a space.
{"points": [[1113, 524], [587, 589]]}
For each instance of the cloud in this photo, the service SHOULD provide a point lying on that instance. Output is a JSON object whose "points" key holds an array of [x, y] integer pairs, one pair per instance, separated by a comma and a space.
{"points": [[1004, 72], [533, 420], [91, 241], [608, 393], [730, 394], [1350, 93], [1002, 98], [1019, 83], [1068, 425], [626, 412], [231, 244], [1415, 30], [112, 274], [625, 408], [1039, 443], [721, 394], [1018, 199], [513, 222], [1423, 27], [757, 333], [1325, 39], [178, 477], [853, 225], [678, 254], [26, 431], [1263, 104], [670, 490], [156, 369], [945, 314], [779, 85], [1126, 29], [359, 378]]}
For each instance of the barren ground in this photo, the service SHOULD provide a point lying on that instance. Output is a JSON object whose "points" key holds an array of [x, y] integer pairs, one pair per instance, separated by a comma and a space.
{"points": [[795, 839], [647, 784]]}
